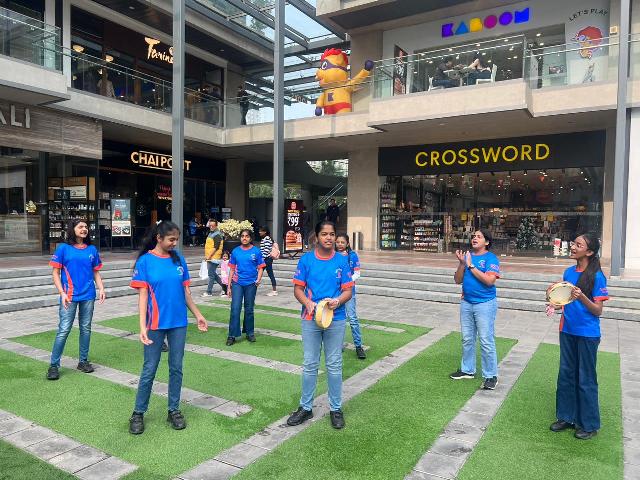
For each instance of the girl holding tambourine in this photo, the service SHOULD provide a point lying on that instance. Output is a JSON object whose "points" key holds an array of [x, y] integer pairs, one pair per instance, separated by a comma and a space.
{"points": [[577, 390]]}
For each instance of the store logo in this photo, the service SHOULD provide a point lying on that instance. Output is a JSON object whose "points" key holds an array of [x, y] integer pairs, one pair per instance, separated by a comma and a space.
{"points": [[477, 24], [16, 120], [153, 54], [155, 161], [180, 271], [487, 155]]}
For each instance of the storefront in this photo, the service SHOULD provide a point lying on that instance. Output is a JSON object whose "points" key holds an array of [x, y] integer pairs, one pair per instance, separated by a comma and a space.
{"points": [[535, 194]]}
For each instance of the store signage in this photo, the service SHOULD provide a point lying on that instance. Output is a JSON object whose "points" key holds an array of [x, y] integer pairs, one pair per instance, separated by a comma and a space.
{"points": [[15, 118], [540, 152], [155, 54], [121, 217], [155, 161], [490, 22], [293, 221], [164, 192]]}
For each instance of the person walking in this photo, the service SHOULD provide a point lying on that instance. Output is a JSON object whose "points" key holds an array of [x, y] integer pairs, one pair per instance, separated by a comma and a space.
{"points": [[162, 279], [322, 274], [81, 264], [577, 389], [333, 212], [477, 272], [266, 247], [344, 248], [213, 248], [243, 101], [246, 265], [193, 232]]}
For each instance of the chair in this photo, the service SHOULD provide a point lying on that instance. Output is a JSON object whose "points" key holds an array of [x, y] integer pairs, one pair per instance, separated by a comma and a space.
{"points": [[432, 87], [494, 70]]}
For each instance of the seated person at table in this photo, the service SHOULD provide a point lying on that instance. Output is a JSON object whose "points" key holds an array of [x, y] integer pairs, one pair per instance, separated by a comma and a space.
{"points": [[480, 70], [440, 78]]}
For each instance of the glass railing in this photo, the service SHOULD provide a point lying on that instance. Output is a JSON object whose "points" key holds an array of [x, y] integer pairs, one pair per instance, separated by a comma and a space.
{"points": [[30, 40], [634, 56]]}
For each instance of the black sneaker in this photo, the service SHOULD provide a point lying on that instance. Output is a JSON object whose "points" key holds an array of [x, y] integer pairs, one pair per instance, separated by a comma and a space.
{"points": [[176, 419], [337, 419], [360, 353], [136, 423], [85, 367], [490, 383], [583, 435], [165, 347], [251, 338], [53, 373], [561, 425], [230, 341], [460, 375], [299, 416]]}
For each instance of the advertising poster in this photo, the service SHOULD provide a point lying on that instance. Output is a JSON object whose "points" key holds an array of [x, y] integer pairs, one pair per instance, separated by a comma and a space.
{"points": [[293, 211], [121, 217], [587, 30], [399, 71]]}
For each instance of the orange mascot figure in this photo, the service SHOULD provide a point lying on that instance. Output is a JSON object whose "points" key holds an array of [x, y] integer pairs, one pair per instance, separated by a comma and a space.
{"points": [[334, 80]]}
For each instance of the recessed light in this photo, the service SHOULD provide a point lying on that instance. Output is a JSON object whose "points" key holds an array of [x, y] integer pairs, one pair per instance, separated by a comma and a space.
{"points": [[538, 34], [542, 44], [78, 48], [131, 7], [441, 124], [222, 49]]}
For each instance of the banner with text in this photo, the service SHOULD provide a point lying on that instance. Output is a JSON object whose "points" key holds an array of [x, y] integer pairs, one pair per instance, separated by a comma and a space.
{"points": [[293, 210]]}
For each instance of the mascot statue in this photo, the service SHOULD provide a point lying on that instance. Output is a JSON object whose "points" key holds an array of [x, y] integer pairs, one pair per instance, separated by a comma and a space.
{"points": [[334, 80]]}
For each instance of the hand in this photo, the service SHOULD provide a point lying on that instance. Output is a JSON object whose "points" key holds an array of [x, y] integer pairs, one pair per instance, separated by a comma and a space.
{"points": [[576, 293], [202, 323], [318, 111], [368, 65], [460, 255], [144, 338], [333, 303], [65, 300], [101, 296], [310, 306]]}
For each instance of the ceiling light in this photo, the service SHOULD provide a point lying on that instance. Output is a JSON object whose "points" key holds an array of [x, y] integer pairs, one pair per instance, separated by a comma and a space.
{"points": [[131, 7], [78, 48], [538, 34], [515, 56], [542, 44], [108, 58]]}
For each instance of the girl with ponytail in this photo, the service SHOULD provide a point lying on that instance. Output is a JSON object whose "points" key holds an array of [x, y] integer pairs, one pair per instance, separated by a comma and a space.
{"points": [[577, 390]]}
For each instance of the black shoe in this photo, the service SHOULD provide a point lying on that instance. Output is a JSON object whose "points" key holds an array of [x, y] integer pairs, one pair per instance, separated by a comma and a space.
{"points": [[337, 419], [85, 367], [561, 425], [582, 435], [360, 353], [53, 373], [230, 341], [460, 375], [299, 416], [176, 419], [490, 383], [165, 347], [136, 423], [251, 338]]}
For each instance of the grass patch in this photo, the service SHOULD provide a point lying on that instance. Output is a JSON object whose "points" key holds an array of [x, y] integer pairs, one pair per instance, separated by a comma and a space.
{"points": [[389, 426], [18, 464], [519, 444], [261, 307]]}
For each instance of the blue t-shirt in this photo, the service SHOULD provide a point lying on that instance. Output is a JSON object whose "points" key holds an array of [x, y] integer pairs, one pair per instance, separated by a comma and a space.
{"points": [[473, 290], [193, 228], [77, 265], [165, 281], [576, 319], [323, 278], [245, 264], [354, 265]]}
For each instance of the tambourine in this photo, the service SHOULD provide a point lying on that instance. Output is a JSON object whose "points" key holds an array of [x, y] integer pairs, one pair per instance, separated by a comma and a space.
{"points": [[560, 293], [324, 315]]}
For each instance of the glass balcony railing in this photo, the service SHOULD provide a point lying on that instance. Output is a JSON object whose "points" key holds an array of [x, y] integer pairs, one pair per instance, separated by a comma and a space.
{"points": [[30, 40], [634, 56]]}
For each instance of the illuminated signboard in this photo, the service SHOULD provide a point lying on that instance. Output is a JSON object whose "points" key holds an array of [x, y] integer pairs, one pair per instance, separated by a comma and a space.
{"points": [[490, 22]]}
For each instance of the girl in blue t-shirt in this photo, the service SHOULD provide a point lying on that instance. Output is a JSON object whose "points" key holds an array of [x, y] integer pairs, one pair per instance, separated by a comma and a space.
{"points": [[343, 247], [478, 271], [76, 272], [246, 267], [577, 389], [162, 279]]}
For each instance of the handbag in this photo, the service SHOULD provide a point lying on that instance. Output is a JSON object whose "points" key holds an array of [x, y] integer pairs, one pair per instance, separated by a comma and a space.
{"points": [[275, 251], [204, 271]]}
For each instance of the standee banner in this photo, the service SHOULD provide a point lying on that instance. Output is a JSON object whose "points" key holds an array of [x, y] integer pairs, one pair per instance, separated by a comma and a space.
{"points": [[586, 32], [399, 71], [121, 217], [293, 222]]}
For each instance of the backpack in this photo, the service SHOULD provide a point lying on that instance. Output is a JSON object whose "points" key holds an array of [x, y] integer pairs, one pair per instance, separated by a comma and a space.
{"points": [[275, 251]]}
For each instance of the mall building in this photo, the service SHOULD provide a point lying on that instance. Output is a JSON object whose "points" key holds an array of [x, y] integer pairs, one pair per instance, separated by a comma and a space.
{"points": [[522, 141]]}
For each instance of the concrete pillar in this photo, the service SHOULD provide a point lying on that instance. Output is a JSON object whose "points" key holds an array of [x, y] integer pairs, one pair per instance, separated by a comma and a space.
{"points": [[632, 253], [364, 46], [236, 190], [232, 110], [66, 39], [607, 195], [363, 186]]}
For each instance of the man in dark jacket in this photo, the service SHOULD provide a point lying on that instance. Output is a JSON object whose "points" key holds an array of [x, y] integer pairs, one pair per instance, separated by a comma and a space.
{"points": [[441, 79]]}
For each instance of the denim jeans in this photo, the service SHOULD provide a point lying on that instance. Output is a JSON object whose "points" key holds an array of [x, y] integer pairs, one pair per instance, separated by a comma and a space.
{"points": [[176, 338], [238, 293], [445, 82], [313, 338], [577, 392], [214, 277], [85, 314], [478, 319], [269, 269], [350, 306]]}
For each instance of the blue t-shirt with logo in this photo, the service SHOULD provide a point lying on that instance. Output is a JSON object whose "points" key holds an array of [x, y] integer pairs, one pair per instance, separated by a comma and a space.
{"points": [[576, 318], [77, 264], [354, 265], [165, 281], [245, 263], [323, 278], [473, 290]]}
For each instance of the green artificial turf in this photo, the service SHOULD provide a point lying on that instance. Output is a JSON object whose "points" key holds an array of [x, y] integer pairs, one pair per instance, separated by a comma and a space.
{"points": [[261, 307], [389, 426], [17, 464], [519, 445]]}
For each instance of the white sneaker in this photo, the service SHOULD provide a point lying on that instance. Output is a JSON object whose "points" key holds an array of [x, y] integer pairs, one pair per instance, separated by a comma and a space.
{"points": [[224, 295], [272, 293], [205, 294]]}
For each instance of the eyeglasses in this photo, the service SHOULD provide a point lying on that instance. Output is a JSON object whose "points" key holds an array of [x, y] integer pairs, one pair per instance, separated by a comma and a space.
{"points": [[326, 64]]}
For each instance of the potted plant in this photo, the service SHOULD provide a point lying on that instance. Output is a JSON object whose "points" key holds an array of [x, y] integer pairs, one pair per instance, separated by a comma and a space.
{"points": [[231, 229]]}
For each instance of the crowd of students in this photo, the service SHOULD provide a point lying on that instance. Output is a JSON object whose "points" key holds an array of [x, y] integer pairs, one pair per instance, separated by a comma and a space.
{"points": [[329, 272]]}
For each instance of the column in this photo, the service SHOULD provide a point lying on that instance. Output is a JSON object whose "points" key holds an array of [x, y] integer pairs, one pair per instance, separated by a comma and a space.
{"points": [[236, 188], [632, 252], [364, 46], [363, 186]]}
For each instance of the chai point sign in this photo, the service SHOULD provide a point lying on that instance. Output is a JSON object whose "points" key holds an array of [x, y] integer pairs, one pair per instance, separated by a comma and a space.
{"points": [[155, 161], [477, 24]]}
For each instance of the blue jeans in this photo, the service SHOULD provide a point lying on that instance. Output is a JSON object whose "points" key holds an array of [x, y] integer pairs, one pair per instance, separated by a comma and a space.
{"points": [[85, 314], [238, 293], [445, 82], [313, 337], [577, 393], [176, 338], [350, 306], [214, 277], [478, 319]]}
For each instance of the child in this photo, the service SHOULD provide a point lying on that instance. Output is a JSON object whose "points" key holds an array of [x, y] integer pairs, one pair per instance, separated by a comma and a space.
{"points": [[343, 247], [577, 390], [224, 273]]}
